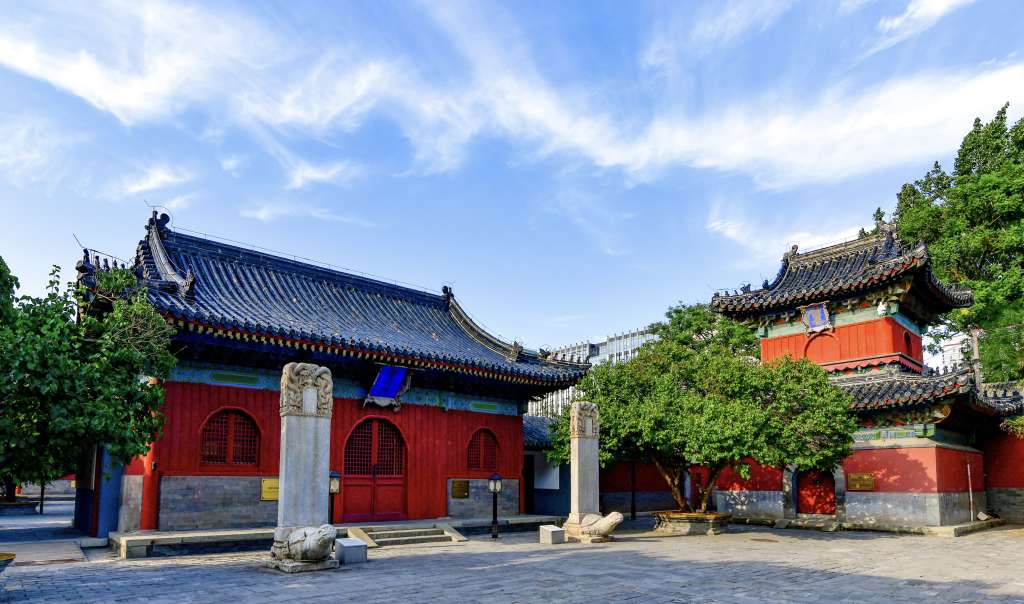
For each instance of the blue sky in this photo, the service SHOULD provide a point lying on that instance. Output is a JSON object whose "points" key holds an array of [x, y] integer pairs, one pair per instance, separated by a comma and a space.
{"points": [[571, 168]]}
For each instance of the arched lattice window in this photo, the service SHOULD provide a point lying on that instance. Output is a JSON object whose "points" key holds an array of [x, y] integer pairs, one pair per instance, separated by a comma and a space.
{"points": [[230, 438], [483, 451]]}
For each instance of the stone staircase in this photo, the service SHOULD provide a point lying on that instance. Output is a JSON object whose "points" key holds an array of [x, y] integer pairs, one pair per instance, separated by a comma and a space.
{"points": [[384, 536]]}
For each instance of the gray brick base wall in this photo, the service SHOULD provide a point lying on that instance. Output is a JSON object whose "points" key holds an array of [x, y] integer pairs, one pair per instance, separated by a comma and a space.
{"points": [[131, 504], [750, 504], [653, 501], [478, 504], [912, 509], [207, 502], [1008, 503]]}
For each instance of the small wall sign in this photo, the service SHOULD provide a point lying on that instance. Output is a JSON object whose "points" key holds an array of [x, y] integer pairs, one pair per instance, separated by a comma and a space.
{"points": [[269, 489], [460, 489], [864, 481]]}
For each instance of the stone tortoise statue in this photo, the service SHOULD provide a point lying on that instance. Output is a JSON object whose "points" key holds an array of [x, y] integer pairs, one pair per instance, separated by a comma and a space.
{"points": [[596, 525], [305, 544]]}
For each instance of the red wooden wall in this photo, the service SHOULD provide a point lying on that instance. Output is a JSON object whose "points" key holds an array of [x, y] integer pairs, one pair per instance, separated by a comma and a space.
{"points": [[436, 440], [1003, 455], [919, 470], [615, 478], [762, 478], [868, 339]]}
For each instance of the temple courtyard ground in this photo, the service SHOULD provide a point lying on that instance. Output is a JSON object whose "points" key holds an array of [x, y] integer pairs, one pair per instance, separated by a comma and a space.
{"points": [[750, 564]]}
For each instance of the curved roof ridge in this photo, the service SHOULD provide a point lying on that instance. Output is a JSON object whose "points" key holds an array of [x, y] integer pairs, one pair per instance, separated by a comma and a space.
{"points": [[235, 289], [284, 264]]}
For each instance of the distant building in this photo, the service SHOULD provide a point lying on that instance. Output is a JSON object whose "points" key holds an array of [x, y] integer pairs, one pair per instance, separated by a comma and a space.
{"points": [[952, 352], [616, 348]]}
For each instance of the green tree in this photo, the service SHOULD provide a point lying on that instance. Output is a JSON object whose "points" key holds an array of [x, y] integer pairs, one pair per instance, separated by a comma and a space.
{"points": [[698, 396], [80, 369], [973, 223]]}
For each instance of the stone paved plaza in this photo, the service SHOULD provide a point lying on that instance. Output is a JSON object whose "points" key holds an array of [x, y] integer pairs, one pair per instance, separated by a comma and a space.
{"points": [[747, 565]]}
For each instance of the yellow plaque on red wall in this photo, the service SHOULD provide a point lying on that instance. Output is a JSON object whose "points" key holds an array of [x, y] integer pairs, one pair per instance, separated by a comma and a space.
{"points": [[460, 489], [269, 489], [864, 481]]}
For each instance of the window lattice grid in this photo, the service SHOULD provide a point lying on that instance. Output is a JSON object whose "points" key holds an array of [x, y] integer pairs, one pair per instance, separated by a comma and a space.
{"points": [[390, 450], [230, 437], [483, 451], [214, 443], [359, 450], [245, 440]]}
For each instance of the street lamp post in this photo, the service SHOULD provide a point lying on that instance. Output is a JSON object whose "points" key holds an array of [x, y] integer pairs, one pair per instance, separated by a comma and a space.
{"points": [[494, 486]]}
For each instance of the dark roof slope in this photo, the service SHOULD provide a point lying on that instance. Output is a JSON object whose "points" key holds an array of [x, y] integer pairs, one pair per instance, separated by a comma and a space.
{"points": [[227, 287], [537, 432], [894, 388], [842, 271]]}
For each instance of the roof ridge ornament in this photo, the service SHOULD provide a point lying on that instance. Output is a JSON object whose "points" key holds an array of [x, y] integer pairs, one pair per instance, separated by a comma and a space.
{"points": [[164, 266]]}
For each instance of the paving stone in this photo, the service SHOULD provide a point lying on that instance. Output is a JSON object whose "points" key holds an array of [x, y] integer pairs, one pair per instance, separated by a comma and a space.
{"points": [[748, 564]]}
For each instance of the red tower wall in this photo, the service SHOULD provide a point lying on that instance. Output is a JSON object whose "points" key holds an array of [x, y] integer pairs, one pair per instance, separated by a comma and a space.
{"points": [[856, 344]]}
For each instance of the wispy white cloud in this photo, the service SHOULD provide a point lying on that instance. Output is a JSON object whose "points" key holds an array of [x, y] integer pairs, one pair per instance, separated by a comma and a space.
{"points": [[32, 150], [232, 163], [182, 56], [273, 211], [303, 173], [688, 32], [595, 217], [762, 243], [136, 60], [180, 202], [158, 176], [919, 16]]}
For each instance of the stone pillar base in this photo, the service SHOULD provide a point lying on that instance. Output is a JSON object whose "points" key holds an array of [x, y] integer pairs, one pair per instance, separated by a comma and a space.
{"points": [[295, 566], [574, 533]]}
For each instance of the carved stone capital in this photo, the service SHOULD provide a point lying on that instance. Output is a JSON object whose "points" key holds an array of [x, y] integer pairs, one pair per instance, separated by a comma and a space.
{"points": [[296, 379], [583, 421]]}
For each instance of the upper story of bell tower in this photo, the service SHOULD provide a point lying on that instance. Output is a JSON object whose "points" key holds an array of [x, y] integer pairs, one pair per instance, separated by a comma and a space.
{"points": [[849, 307]]}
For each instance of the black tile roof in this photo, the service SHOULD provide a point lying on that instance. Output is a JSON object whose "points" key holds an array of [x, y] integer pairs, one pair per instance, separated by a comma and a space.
{"points": [[537, 432], [225, 287], [845, 270], [894, 388]]}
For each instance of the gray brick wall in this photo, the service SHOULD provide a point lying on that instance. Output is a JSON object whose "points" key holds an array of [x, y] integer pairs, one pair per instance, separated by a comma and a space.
{"points": [[478, 504], [207, 502], [131, 503], [1008, 503]]}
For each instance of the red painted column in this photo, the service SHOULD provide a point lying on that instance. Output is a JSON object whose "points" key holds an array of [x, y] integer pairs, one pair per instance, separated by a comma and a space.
{"points": [[149, 516]]}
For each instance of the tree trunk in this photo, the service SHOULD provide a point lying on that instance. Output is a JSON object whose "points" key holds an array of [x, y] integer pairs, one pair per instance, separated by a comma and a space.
{"points": [[9, 488], [707, 488], [676, 479]]}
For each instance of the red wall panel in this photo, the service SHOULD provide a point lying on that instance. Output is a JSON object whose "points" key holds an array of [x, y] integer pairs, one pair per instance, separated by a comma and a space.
{"points": [[615, 478], [762, 478], [1003, 455], [436, 440], [918, 470], [870, 338]]}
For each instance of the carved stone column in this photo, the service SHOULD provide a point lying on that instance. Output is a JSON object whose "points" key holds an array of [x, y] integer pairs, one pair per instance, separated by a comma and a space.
{"points": [[307, 400], [584, 497]]}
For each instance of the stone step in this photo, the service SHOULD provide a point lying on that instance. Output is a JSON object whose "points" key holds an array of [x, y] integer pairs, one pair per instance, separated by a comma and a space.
{"points": [[413, 540], [395, 533]]}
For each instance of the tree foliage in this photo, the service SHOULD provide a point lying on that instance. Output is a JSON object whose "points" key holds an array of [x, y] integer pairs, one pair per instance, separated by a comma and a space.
{"points": [[698, 396], [79, 369], [973, 223]]}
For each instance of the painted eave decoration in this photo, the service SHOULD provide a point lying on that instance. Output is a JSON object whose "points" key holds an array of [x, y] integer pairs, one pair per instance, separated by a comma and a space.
{"points": [[227, 291], [843, 271]]}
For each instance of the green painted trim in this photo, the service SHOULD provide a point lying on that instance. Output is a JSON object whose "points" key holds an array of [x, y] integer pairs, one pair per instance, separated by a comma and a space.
{"points": [[860, 315]]}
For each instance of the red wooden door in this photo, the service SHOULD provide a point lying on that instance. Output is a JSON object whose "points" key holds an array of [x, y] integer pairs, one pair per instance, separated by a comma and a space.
{"points": [[816, 492], [373, 486]]}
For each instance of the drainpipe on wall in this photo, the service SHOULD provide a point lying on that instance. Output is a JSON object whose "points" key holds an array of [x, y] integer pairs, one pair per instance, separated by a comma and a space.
{"points": [[970, 491]]}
